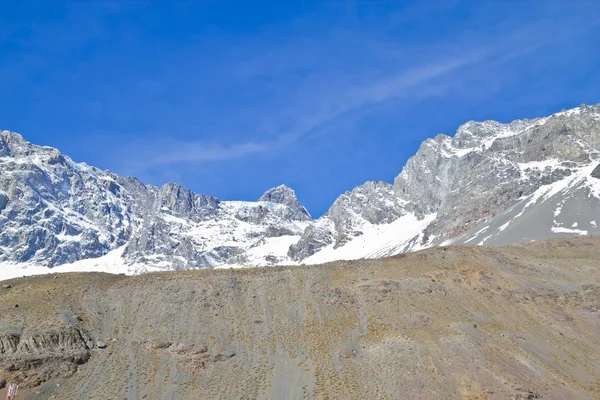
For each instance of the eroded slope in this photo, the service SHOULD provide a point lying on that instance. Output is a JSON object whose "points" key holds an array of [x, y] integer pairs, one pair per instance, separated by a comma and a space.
{"points": [[444, 323]]}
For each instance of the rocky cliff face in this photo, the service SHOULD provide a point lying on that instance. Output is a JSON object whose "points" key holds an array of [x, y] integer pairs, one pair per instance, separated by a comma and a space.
{"points": [[54, 211], [286, 196], [368, 204], [463, 181], [503, 163], [185, 230]]}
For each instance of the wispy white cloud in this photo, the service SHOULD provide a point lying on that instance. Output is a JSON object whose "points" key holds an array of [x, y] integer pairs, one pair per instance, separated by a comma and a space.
{"points": [[325, 98], [186, 152], [163, 151]]}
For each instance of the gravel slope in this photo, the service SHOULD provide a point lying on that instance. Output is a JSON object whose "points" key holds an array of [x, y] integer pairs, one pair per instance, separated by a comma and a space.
{"points": [[454, 322]]}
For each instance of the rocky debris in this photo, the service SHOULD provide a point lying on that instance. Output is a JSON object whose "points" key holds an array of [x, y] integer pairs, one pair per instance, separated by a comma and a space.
{"points": [[347, 353], [412, 286], [8, 286], [190, 356], [526, 395], [418, 319], [187, 349], [35, 357], [159, 344], [232, 283]]}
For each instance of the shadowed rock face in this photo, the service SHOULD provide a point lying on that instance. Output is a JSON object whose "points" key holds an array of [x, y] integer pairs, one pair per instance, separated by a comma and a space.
{"points": [[444, 323], [596, 172], [183, 202]]}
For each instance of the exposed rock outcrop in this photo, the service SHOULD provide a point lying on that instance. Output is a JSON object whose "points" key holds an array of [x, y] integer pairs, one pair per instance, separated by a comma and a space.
{"points": [[464, 180], [35, 357], [54, 211], [286, 196]]}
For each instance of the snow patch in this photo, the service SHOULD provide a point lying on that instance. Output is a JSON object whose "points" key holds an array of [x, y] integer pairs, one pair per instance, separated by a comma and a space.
{"points": [[111, 263], [503, 227], [558, 229], [376, 240], [539, 165]]}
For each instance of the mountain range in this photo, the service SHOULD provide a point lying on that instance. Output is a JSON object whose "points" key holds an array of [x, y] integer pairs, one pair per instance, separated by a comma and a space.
{"points": [[489, 184]]}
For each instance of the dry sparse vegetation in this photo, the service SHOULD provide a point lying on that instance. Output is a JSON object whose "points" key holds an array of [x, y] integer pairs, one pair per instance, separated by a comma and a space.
{"points": [[457, 322]]}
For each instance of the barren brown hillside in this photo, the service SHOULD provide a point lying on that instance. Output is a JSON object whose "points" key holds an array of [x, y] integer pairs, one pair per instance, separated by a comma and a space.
{"points": [[520, 322]]}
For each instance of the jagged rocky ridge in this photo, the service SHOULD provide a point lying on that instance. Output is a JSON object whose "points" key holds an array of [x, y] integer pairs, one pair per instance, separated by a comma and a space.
{"points": [[455, 184], [54, 211]]}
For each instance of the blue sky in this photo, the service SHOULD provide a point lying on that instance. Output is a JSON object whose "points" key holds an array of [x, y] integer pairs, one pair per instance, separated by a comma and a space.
{"points": [[232, 98]]}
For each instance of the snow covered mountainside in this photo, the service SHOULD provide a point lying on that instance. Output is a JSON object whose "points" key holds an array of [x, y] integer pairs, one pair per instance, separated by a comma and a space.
{"points": [[455, 187], [491, 183], [55, 212]]}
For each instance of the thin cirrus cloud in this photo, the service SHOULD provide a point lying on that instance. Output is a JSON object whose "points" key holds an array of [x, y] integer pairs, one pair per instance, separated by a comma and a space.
{"points": [[182, 152], [323, 108]]}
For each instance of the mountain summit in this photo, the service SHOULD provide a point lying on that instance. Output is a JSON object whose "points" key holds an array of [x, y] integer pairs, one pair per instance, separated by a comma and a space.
{"points": [[56, 212], [455, 185], [286, 196], [491, 183]]}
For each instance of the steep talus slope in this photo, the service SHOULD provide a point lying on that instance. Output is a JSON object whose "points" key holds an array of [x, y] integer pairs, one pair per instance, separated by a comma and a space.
{"points": [[444, 323], [568, 207]]}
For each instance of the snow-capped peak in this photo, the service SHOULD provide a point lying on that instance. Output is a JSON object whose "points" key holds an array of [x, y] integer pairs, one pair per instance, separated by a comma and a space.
{"points": [[488, 176], [287, 196]]}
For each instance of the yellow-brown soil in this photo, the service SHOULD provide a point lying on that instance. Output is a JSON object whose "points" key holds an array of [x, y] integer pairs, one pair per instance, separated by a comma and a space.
{"points": [[444, 323]]}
